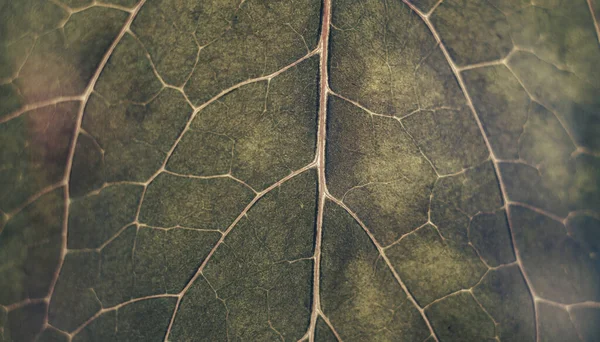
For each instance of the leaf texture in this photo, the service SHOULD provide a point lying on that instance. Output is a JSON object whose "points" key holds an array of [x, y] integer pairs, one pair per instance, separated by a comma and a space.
{"points": [[299, 170]]}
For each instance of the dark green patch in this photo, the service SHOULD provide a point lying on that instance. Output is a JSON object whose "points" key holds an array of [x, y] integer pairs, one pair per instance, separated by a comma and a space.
{"points": [[77, 3], [166, 260], [12, 56], [460, 318], [4, 329], [424, 5], [203, 153], [168, 30], [52, 335], [98, 217], [30, 244], [473, 31], [502, 105], [26, 322], [74, 300], [128, 75], [201, 313], [525, 185], [490, 235], [323, 333], [262, 270], [145, 320], [63, 61], [10, 99], [248, 40], [505, 296], [34, 152], [116, 278], [134, 139], [88, 166], [103, 328]]}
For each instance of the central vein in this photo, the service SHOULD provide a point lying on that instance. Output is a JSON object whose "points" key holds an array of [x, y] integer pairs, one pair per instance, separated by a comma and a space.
{"points": [[320, 158]]}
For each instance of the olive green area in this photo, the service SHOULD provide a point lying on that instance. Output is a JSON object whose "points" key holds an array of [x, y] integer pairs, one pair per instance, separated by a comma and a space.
{"points": [[375, 168], [460, 317], [126, 141], [201, 106], [30, 245], [556, 324], [34, 152], [211, 203], [359, 293], [433, 267], [561, 266], [257, 285], [248, 39], [258, 133], [96, 218], [505, 296]]}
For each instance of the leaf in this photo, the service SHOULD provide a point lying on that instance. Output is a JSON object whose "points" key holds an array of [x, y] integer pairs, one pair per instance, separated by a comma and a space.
{"points": [[357, 170]]}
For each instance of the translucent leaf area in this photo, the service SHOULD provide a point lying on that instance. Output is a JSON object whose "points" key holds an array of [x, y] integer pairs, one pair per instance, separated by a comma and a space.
{"points": [[299, 170]]}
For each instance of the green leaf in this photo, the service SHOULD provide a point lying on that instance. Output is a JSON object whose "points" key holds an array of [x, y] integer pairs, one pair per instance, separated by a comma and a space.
{"points": [[313, 170]]}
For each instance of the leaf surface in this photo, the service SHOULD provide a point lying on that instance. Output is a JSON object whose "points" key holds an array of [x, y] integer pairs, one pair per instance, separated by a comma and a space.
{"points": [[356, 170]]}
